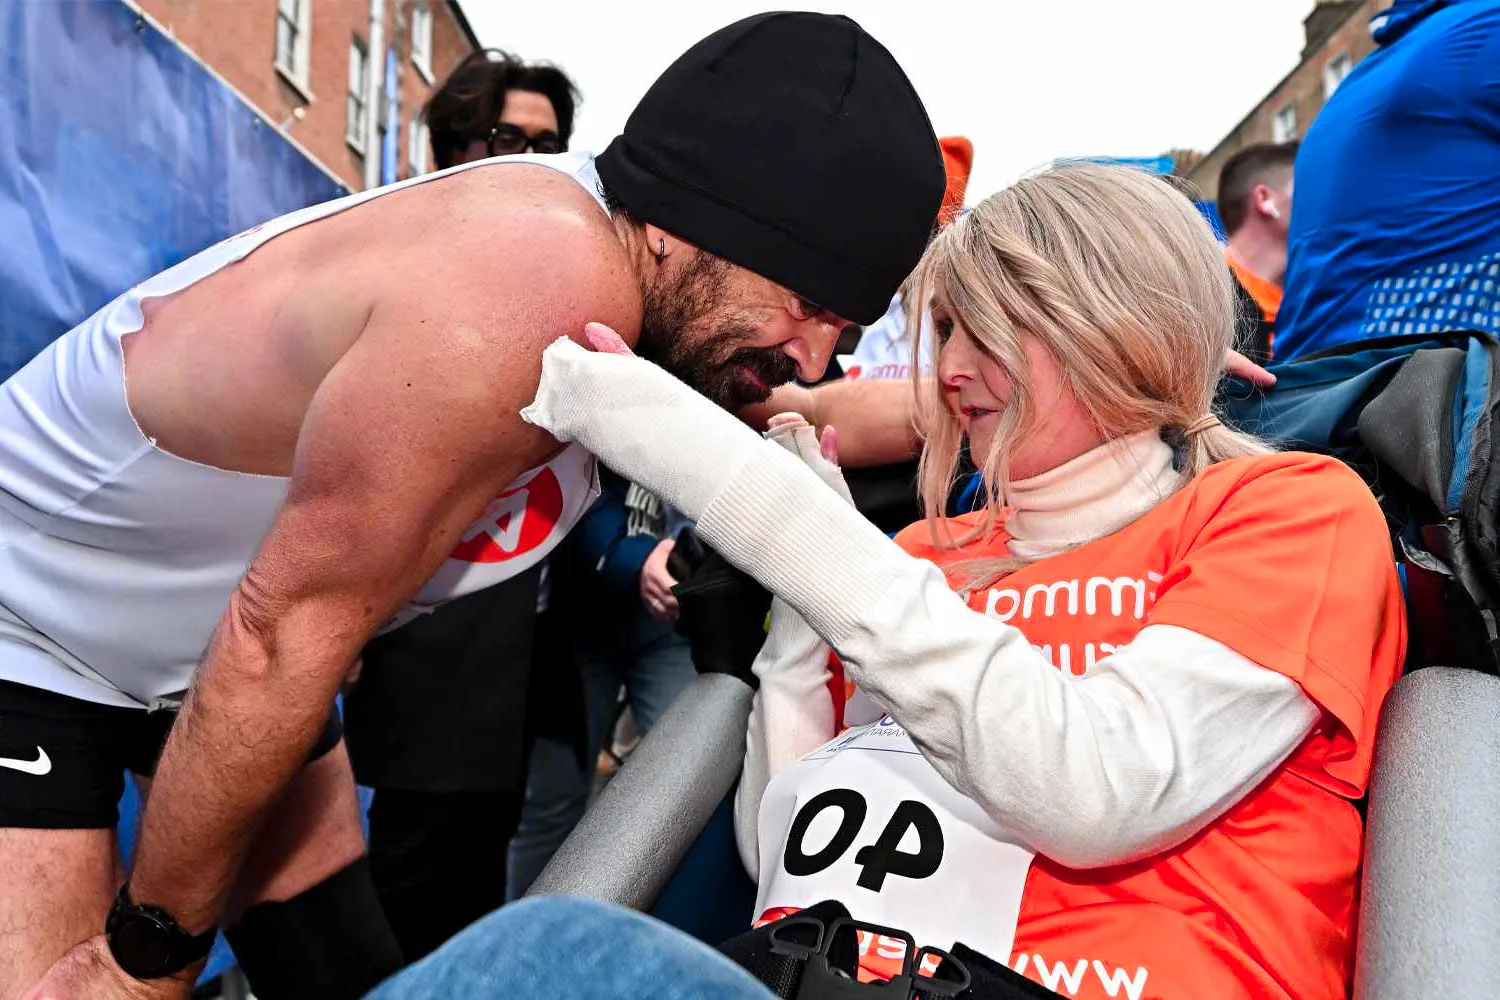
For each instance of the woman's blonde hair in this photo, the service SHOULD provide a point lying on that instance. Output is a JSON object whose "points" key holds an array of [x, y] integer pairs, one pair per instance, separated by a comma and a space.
{"points": [[1117, 276]]}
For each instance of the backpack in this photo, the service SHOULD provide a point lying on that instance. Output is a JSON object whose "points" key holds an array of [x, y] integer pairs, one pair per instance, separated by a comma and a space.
{"points": [[1415, 416]]}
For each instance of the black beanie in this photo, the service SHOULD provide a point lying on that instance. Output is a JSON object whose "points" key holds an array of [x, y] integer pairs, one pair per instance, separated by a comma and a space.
{"points": [[793, 145]]}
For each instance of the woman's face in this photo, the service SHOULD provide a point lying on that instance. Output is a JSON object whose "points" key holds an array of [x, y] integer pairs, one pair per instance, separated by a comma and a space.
{"points": [[977, 390]]}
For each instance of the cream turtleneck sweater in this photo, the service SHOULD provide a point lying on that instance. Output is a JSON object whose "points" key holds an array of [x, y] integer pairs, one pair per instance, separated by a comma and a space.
{"points": [[1132, 756], [1094, 495]]}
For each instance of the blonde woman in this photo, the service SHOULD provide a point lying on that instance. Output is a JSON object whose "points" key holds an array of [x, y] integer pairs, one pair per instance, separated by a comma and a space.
{"points": [[1109, 729]]}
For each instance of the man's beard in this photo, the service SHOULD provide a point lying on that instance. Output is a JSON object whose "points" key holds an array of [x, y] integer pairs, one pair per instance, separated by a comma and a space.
{"points": [[686, 328]]}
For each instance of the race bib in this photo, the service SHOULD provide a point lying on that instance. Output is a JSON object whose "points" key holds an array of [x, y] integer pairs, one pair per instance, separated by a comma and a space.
{"points": [[866, 820], [517, 530]]}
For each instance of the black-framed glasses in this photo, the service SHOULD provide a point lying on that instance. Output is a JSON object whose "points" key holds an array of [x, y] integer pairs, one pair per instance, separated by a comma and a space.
{"points": [[507, 140]]}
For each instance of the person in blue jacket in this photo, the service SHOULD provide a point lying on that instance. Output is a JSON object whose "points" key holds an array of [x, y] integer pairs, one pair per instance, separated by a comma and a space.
{"points": [[1397, 228]]}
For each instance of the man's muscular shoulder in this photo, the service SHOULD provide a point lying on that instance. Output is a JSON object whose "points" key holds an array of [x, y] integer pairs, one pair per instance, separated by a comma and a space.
{"points": [[475, 282], [531, 243]]}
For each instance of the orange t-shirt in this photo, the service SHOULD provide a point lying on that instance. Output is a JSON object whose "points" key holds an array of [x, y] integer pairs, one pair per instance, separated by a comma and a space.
{"points": [[1284, 559], [1265, 293]]}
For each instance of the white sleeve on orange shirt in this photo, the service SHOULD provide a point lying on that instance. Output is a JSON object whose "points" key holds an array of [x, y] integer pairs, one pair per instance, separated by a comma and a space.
{"points": [[792, 715], [1126, 762], [1086, 771], [1161, 738]]}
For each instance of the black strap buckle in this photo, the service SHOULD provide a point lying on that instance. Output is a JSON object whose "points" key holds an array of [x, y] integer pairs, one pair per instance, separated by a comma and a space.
{"points": [[949, 979], [825, 979]]}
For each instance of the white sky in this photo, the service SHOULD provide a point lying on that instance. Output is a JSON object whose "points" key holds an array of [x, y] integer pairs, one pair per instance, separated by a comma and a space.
{"points": [[1026, 80]]}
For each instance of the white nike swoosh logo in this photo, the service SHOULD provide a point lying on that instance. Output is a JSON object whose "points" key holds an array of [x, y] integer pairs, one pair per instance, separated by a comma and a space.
{"points": [[42, 765]]}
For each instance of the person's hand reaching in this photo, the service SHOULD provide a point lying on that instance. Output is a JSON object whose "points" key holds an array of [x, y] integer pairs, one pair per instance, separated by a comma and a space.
{"points": [[657, 583], [1235, 364], [639, 420]]}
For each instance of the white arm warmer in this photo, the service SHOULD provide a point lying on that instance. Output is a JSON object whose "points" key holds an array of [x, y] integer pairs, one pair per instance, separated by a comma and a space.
{"points": [[1156, 742], [792, 716]]}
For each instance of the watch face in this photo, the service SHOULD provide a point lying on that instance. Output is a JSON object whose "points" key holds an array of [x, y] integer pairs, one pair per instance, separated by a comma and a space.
{"points": [[142, 946]]}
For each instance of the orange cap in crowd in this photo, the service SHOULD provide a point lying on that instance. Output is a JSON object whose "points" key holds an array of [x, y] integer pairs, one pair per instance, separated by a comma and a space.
{"points": [[958, 158]]}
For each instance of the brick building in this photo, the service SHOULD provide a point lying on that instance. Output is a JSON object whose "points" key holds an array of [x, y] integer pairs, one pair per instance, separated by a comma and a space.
{"points": [[303, 64], [1337, 37]]}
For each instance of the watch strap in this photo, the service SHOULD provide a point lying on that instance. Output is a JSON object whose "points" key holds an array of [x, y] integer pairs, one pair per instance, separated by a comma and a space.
{"points": [[181, 947]]}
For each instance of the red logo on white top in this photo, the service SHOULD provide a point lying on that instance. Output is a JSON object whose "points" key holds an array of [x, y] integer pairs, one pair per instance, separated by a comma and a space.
{"points": [[515, 522]]}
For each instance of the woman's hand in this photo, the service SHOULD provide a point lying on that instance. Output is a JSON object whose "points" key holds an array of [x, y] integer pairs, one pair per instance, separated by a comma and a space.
{"points": [[796, 435], [605, 340], [639, 420]]}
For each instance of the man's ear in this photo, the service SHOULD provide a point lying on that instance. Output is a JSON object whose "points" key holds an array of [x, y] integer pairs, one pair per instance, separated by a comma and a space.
{"points": [[662, 244], [1263, 198]]}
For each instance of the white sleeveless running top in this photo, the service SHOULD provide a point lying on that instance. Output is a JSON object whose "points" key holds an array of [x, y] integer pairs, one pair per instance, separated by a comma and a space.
{"points": [[117, 559]]}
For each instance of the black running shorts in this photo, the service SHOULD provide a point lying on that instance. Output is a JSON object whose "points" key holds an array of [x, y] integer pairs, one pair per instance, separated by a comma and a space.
{"points": [[63, 760]]}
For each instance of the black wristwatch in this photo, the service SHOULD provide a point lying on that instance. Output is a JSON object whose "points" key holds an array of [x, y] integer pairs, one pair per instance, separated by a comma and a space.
{"points": [[148, 943]]}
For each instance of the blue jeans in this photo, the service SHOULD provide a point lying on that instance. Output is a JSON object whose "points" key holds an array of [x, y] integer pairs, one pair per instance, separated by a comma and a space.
{"points": [[571, 949], [653, 664]]}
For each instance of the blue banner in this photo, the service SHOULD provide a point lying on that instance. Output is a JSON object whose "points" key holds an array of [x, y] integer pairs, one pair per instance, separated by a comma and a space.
{"points": [[119, 156]]}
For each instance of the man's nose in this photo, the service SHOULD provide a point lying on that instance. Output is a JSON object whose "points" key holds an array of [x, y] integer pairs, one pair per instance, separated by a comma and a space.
{"points": [[813, 349]]}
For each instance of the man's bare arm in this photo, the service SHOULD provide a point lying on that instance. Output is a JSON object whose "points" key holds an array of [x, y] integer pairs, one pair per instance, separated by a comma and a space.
{"points": [[875, 418], [406, 440]]}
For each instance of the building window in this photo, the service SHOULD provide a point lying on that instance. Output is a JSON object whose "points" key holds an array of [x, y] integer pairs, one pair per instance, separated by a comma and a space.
{"points": [[293, 28], [421, 38], [355, 121], [416, 148], [1333, 74], [1284, 124]]}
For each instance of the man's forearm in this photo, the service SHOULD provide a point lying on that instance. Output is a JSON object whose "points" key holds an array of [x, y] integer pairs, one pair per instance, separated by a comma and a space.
{"points": [[873, 417], [244, 731], [789, 398]]}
